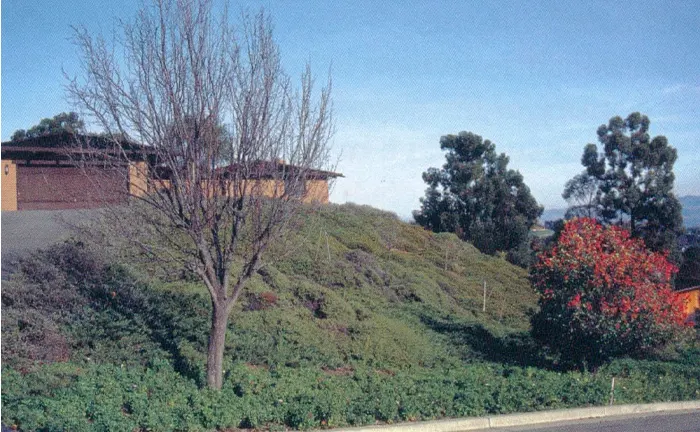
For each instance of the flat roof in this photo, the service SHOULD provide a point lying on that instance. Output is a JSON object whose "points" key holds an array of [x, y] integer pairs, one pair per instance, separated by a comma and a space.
{"points": [[63, 145], [66, 145], [693, 288]]}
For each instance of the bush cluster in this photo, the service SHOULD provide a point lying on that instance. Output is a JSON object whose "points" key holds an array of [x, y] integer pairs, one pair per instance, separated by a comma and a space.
{"points": [[604, 295]]}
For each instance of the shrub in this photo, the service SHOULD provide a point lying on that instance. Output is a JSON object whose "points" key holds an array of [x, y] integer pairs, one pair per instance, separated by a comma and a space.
{"points": [[603, 295], [41, 299]]}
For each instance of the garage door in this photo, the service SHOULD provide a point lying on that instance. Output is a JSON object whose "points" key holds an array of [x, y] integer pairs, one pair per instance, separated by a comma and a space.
{"points": [[66, 187]]}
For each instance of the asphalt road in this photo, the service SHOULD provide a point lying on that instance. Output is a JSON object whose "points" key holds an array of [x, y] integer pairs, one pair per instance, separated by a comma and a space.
{"points": [[683, 421]]}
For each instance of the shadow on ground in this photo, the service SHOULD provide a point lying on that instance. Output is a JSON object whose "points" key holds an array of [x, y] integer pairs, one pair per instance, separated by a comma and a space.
{"points": [[473, 340]]}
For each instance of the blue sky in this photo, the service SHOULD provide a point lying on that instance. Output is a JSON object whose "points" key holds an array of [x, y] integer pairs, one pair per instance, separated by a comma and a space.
{"points": [[537, 78]]}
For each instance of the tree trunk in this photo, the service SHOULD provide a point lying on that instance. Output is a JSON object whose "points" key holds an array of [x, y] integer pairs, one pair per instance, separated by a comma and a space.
{"points": [[217, 340], [632, 224]]}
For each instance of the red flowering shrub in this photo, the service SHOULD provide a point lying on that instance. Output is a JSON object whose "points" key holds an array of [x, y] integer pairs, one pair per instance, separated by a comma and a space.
{"points": [[603, 294]]}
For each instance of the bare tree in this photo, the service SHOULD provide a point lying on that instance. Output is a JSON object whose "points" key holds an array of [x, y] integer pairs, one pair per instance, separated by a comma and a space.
{"points": [[230, 140]]}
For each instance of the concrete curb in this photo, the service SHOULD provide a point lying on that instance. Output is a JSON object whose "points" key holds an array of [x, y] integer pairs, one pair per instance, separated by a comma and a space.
{"points": [[498, 421]]}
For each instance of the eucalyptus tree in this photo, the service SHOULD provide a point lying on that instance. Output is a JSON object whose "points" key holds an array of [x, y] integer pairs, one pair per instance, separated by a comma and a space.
{"points": [[633, 177], [477, 196]]}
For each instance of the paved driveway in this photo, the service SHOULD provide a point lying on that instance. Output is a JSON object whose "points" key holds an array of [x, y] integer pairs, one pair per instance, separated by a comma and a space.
{"points": [[28, 230]]}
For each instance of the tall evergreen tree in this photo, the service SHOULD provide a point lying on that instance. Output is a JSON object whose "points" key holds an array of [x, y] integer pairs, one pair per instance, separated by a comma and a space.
{"points": [[634, 174], [477, 197]]}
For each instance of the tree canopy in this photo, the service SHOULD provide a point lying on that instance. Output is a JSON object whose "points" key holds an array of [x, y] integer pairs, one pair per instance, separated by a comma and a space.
{"points": [[63, 122], [633, 180], [689, 272], [477, 197]]}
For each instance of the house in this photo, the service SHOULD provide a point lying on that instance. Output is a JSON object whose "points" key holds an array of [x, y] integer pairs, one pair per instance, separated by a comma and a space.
{"points": [[263, 177], [692, 302], [67, 171], [60, 171]]}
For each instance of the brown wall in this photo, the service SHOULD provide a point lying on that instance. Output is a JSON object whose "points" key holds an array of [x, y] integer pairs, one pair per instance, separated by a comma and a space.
{"points": [[316, 191], [9, 185], [57, 187], [46, 187], [268, 188], [138, 179], [156, 185], [692, 300]]}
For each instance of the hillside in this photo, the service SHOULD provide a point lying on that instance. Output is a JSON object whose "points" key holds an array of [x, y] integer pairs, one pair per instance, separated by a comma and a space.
{"points": [[358, 318], [384, 291], [351, 284]]}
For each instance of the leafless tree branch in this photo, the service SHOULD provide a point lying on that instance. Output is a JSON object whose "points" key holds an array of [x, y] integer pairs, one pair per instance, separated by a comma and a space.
{"points": [[215, 112]]}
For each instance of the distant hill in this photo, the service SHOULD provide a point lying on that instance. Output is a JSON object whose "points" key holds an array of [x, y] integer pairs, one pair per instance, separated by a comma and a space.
{"points": [[691, 210], [690, 203], [552, 214]]}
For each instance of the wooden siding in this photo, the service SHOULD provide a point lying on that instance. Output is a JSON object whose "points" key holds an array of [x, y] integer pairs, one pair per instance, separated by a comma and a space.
{"points": [[9, 185], [66, 187], [138, 179], [692, 299], [316, 191], [49, 186]]}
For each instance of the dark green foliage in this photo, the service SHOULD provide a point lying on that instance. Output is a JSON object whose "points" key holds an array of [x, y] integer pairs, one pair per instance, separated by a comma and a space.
{"points": [[477, 197], [40, 301], [689, 272], [68, 396], [633, 180], [524, 254], [63, 122]]}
